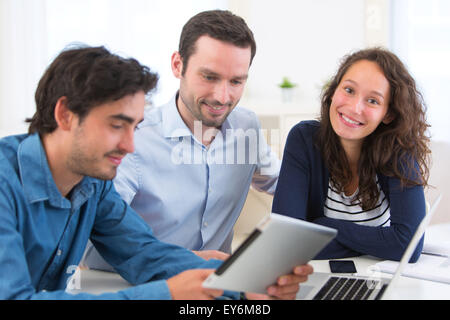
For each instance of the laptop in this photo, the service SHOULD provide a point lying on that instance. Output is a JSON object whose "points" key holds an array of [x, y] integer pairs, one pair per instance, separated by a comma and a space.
{"points": [[329, 286], [275, 247]]}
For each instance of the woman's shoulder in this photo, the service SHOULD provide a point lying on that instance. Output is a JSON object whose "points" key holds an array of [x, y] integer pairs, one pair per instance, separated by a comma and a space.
{"points": [[304, 130], [308, 125], [302, 137]]}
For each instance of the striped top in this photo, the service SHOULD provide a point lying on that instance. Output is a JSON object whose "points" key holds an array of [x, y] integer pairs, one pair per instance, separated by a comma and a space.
{"points": [[339, 206]]}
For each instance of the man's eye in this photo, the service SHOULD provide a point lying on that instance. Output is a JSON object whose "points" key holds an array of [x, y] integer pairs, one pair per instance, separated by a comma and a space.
{"points": [[209, 78], [114, 126]]}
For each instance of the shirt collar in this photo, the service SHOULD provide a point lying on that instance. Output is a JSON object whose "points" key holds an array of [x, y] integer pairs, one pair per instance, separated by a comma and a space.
{"points": [[172, 123], [174, 126], [36, 177]]}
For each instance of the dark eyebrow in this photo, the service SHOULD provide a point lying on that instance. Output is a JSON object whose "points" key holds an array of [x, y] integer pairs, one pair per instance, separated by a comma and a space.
{"points": [[243, 77], [350, 80], [207, 71], [125, 118], [215, 74]]}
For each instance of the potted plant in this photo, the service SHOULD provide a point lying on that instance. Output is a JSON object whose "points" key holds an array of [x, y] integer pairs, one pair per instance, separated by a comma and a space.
{"points": [[287, 89]]}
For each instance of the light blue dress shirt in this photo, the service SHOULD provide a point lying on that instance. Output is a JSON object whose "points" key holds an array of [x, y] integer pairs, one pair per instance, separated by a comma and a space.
{"points": [[192, 195], [189, 194], [43, 235]]}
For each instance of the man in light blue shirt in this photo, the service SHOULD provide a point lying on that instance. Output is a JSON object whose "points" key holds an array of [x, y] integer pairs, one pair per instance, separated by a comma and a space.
{"points": [[197, 156], [56, 190], [190, 194]]}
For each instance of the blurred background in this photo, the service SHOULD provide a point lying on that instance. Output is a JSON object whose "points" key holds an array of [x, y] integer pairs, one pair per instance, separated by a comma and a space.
{"points": [[303, 40]]}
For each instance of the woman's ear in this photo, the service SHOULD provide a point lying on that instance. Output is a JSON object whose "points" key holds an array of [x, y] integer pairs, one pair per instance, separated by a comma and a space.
{"points": [[388, 118], [63, 116]]}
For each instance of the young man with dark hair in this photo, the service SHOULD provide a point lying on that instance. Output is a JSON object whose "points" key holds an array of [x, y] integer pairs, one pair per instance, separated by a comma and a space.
{"points": [[56, 193]]}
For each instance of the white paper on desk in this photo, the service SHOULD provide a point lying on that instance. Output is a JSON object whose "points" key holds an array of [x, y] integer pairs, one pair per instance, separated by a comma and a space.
{"points": [[427, 267], [437, 248]]}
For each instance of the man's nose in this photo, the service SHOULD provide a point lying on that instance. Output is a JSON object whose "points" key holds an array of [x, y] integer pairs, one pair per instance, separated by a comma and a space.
{"points": [[222, 93], [127, 143]]}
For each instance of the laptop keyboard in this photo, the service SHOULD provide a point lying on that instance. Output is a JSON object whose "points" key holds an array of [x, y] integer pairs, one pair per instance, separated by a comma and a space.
{"points": [[342, 288]]}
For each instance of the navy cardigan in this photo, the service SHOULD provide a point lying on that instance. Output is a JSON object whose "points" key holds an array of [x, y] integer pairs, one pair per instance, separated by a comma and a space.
{"points": [[302, 190]]}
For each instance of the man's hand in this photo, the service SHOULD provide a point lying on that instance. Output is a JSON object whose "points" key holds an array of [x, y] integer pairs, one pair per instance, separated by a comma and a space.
{"points": [[212, 254], [188, 286], [287, 286]]}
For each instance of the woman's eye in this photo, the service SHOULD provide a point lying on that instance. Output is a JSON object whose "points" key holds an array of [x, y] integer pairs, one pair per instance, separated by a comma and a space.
{"points": [[373, 101], [348, 90]]}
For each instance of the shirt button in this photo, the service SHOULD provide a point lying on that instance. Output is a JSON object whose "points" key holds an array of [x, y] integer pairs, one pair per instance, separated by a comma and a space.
{"points": [[59, 252], [205, 224]]}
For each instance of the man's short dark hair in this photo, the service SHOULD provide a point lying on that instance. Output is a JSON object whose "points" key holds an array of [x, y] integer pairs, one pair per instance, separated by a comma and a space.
{"points": [[218, 24], [87, 77]]}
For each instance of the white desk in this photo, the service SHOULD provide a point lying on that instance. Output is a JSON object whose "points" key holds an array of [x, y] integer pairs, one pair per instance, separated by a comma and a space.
{"points": [[406, 288], [96, 282]]}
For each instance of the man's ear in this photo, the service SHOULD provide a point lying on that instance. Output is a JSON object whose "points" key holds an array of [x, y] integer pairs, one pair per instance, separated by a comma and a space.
{"points": [[63, 116], [177, 64]]}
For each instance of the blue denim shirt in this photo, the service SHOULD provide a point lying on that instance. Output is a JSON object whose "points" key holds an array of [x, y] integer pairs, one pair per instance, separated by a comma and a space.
{"points": [[43, 234]]}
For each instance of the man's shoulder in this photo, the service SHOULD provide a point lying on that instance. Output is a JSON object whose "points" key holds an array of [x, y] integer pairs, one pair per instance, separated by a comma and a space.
{"points": [[8, 148], [150, 128], [11, 143], [152, 117], [243, 118], [9, 166]]}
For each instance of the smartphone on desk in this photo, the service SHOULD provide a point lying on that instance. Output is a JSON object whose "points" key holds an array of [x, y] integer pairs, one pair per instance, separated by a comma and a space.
{"points": [[342, 266]]}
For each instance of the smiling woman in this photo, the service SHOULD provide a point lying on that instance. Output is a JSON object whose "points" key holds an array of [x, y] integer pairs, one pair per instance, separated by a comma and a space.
{"points": [[373, 88], [363, 167], [359, 104]]}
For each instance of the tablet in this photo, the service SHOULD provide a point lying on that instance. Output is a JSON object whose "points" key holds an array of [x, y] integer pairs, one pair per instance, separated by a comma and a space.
{"points": [[274, 248]]}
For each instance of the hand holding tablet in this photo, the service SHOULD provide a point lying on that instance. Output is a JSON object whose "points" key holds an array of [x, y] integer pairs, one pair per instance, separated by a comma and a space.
{"points": [[276, 246]]}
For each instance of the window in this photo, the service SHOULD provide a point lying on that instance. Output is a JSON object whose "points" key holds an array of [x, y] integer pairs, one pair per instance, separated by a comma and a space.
{"points": [[421, 37], [147, 30]]}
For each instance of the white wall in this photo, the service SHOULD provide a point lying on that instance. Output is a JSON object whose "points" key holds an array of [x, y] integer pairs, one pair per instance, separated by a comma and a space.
{"points": [[303, 40], [421, 38], [22, 61], [33, 32]]}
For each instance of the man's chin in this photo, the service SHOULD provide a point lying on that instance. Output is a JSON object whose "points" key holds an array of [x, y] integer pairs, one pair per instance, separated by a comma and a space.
{"points": [[104, 175], [215, 122]]}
